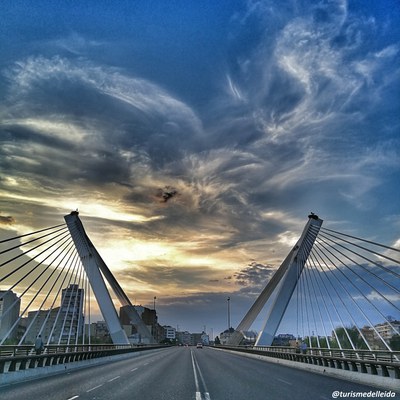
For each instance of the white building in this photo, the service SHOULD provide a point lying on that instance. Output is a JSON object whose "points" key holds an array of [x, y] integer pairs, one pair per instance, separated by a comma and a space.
{"points": [[9, 313], [63, 324], [72, 310], [169, 332], [387, 331]]}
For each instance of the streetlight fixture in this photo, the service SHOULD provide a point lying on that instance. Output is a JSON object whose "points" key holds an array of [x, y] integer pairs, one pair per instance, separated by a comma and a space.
{"points": [[154, 303]]}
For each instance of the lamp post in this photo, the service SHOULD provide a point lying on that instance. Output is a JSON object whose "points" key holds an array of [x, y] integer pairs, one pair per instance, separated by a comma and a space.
{"points": [[154, 303], [229, 313]]}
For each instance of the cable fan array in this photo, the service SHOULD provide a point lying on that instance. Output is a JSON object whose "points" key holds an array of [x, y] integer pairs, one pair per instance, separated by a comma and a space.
{"points": [[43, 289], [347, 295]]}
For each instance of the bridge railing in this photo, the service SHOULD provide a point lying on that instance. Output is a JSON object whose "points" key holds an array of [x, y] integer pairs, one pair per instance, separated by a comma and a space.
{"points": [[15, 350], [18, 358], [373, 355], [379, 362]]}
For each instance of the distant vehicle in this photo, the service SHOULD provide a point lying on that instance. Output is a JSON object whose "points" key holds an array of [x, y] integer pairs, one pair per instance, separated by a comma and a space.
{"points": [[199, 345]]}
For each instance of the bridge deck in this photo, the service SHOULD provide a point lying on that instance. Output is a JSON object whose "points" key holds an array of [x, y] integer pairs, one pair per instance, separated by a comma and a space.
{"points": [[185, 373]]}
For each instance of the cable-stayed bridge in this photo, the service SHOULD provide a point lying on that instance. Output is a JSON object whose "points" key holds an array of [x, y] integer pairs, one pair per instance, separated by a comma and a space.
{"points": [[337, 294], [333, 281], [57, 273]]}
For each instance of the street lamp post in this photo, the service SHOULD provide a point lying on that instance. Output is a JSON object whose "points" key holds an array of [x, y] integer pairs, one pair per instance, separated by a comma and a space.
{"points": [[154, 303], [229, 313]]}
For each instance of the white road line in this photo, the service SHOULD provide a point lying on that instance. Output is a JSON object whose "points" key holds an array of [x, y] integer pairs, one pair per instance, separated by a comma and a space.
{"points": [[196, 369], [201, 376], [113, 379], [93, 388], [287, 383], [196, 381], [134, 369], [72, 398], [146, 364]]}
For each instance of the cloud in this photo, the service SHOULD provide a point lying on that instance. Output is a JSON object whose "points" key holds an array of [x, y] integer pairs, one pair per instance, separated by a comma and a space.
{"points": [[44, 76], [275, 130], [254, 277], [97, 105], [310, 90], [6, 220], [108, 128], [167, 193], [75, 44]]}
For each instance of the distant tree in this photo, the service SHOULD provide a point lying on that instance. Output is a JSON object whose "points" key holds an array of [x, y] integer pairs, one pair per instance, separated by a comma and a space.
{"points": [[344, 335], [97, 340], [172, 342], [316, 342], [323, 342], [12, 342], [217, 341]]}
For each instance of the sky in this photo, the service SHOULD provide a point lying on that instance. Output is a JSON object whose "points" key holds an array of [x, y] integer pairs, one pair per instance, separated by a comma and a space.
{"points": [[194, 137]]}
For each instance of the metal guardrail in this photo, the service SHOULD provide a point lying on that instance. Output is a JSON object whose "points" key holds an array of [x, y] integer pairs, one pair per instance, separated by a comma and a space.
{"points": [[373, 355], [18, 358], [15, 350], [379, 362]]}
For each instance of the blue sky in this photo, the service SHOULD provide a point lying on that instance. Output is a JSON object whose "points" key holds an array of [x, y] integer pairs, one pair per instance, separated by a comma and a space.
{"points": [[195, 137]]}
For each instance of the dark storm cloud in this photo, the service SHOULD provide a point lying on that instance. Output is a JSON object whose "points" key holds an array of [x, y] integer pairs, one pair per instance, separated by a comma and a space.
{"points": [[254, 275], [167, 193], [184, 278], [100, 114], [100, 129], [6, 220]]}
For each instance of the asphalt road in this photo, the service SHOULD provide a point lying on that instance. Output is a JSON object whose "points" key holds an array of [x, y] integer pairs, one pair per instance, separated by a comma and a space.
{"points": [[184, 373]]}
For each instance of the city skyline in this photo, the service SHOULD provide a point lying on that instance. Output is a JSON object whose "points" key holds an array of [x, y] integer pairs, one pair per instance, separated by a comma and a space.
{"points": [[194, 138]]}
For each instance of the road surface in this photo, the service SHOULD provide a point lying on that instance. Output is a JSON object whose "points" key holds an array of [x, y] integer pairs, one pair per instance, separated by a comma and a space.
{"points": [[183, 373]]}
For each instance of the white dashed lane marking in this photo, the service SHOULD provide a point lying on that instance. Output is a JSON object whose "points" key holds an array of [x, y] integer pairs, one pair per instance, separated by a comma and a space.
{"points": [[113, 379], [93, 388]]}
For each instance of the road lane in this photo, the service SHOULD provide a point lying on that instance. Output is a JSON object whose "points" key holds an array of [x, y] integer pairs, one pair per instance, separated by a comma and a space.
{"points": [[76, 382], [183, 373], [167, 377], [200, 384], [233, 376]]}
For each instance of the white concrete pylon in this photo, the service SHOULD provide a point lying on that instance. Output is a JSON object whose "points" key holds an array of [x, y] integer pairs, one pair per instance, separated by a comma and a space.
{"points": [[94, 267], [286, 276]]}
